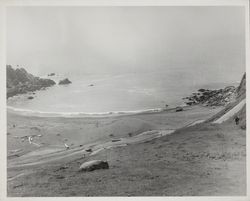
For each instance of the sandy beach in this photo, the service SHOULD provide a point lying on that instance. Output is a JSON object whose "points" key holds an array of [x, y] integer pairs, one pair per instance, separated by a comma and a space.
{"points": [[199, 153]]}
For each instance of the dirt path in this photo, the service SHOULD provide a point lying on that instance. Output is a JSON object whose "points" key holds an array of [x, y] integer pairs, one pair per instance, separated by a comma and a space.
{"points": [[231, 112]]}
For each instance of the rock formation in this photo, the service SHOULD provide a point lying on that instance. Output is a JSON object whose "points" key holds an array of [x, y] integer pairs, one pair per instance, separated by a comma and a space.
{"points": [[241, 89], [19, 81], [218, 97], [241, 94], [64, 81]]}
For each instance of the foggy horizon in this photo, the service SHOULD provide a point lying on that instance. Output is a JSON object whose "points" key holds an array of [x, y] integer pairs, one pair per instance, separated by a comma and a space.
{"points": [[116, 40]]}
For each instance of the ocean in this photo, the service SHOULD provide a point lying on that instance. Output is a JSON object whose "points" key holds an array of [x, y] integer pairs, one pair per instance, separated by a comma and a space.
{"points": [[91, 95]]}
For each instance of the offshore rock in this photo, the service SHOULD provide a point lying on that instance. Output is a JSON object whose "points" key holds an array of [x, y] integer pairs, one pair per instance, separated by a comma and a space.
{"points": [[65, 81]]}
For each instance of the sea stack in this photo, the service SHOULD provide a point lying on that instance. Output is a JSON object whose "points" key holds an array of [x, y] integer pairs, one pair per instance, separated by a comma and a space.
{"points": [[64, 81]]}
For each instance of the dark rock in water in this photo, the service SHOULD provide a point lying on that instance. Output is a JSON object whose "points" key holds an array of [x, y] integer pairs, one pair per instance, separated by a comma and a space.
{"points": [[19, 81], [94, 165], [30, 97], [51, 74], [91, 85], [65, 81], [178, 109]]}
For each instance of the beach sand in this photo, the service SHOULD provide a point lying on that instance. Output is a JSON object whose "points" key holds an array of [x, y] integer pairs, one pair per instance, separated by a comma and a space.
{"points": [[204, 159]]}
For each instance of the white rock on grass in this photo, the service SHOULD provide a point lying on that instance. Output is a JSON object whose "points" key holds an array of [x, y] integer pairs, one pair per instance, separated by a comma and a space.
{"points": [[94, 165]]}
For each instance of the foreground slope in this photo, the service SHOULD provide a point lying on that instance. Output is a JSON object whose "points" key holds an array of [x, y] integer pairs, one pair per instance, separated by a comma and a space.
{"points": [[206, 159]]}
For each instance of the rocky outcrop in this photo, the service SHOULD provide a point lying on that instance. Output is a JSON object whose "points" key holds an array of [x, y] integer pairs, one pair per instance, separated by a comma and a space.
{"points": [[241, 89], [218, 97], [65, 81], [94, 165], [235, 111], [241, 94], [19, 81]]}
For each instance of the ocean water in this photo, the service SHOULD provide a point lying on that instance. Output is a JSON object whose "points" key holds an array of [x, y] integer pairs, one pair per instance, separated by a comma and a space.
{"points": [[112, 94]]}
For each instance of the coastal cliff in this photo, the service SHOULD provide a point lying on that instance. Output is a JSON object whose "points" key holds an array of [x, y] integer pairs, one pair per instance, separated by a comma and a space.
{"points": [[19, 81], [241, 94], [241, 90]]}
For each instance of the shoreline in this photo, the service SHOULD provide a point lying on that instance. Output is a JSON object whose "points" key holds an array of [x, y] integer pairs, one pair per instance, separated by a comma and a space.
{"points": [[33, 113]]}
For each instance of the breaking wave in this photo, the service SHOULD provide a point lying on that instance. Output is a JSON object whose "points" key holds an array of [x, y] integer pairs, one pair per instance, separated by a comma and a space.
{"points": [[78, 114]]}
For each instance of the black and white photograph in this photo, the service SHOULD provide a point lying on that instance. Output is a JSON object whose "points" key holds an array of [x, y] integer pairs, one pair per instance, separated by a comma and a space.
{"points": [[125, 100]]}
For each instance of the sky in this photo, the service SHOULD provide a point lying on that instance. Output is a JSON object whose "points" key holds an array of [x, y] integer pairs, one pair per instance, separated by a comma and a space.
{"points": [[207, 40]]}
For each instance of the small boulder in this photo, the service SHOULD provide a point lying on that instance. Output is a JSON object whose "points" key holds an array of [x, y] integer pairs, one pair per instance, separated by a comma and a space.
{"points": [[88, 150], [30, 97], [178, 109], [94, 165], [65, 81]]}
